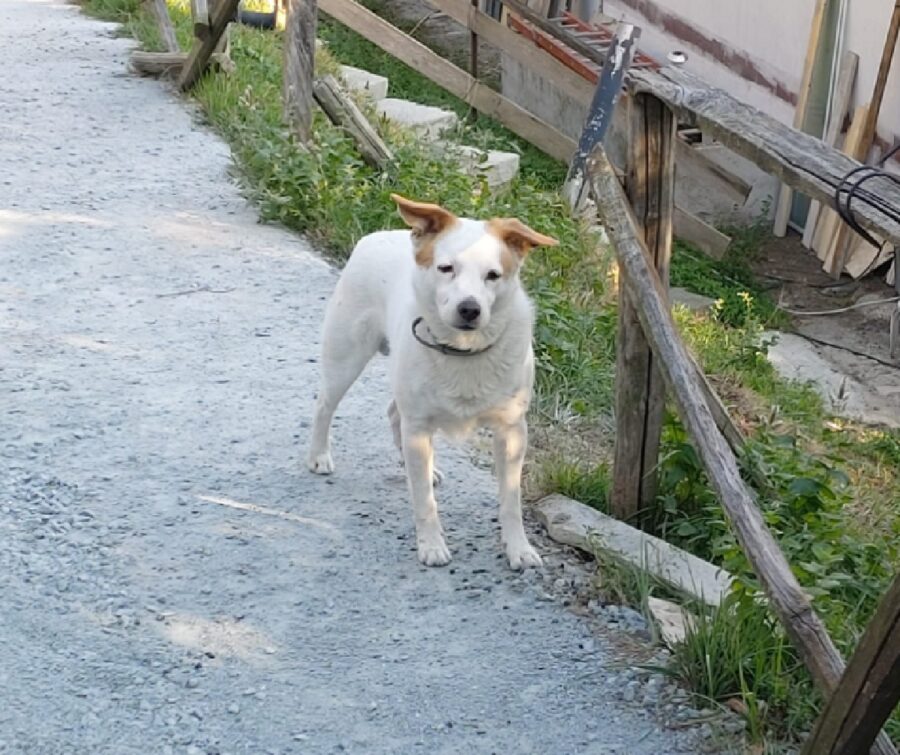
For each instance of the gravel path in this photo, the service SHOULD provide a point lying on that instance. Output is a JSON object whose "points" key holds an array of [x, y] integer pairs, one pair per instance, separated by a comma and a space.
{"points": [[172, 579]]}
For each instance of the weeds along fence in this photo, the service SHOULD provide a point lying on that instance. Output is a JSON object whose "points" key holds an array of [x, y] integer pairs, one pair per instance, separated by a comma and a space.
{"points": [[652, 360]]}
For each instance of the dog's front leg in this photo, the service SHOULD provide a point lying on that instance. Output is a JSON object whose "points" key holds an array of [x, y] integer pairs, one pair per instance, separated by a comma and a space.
{"points": [[418, 453], [510, 442]]}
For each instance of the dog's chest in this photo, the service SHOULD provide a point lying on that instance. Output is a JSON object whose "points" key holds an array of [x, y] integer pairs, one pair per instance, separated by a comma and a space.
{"points": [[470, 396]]}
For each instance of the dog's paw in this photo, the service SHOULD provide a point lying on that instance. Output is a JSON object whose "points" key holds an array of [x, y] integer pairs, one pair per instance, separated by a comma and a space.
{"points": [[523, 556], [321, 463], [437, 477], [433, 550]]}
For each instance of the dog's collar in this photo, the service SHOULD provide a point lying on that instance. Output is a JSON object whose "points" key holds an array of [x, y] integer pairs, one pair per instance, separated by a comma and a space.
{"points": [[445, 348]]}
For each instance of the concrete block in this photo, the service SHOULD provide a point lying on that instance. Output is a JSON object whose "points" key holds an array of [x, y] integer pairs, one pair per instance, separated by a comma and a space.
{"points": [[359, 80], [694, 302], [498, 168], [572, 523], [428, 122]]}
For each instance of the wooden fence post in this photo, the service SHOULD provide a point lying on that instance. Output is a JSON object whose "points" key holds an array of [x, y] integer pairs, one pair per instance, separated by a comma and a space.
{"points": [[640, 390], [298, 65], [869, 690]]}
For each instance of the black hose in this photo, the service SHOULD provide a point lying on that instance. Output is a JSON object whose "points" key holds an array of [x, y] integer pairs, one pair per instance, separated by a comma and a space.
{"points": [[850, 189], [256, 19]]}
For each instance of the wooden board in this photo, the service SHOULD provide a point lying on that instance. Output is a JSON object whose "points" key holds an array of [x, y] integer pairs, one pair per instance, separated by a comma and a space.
{"points": [[828, 220], [839, 106], [341, 109], [707, 239], [452, 78], [831, 247], [835, 263], [786, 193], [157, 63]]}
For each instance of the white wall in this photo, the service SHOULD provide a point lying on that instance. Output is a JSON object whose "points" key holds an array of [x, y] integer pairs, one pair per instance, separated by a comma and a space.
{"points": [[774, 35]]}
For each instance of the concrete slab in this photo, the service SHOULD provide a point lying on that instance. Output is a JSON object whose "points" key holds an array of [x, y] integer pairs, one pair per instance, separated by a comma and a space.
{"points": [[694, 302], [359, 80], [428, 122], [851, 386], [573, 523], [498, 168]]}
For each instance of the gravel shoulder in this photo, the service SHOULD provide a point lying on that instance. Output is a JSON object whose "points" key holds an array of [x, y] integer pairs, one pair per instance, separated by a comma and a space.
{"points": [[172, 578]]}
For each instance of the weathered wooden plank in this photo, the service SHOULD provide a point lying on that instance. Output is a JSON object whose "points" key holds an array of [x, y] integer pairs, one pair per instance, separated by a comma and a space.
{"points": [[640, 390], [787, 598], [166, 30], [839, 106], [707, 239], [573, 523], [869, 690], [198, 59], [803, 161], [450, 77], [342, 111], [835, 265], [824, 237], [299, 55], [786, 193], [834, 238], [157, 63]]}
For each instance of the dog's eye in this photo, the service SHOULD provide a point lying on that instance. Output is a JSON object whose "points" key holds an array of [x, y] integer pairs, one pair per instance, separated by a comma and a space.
{"points": [[492, 276], [445, 268]]}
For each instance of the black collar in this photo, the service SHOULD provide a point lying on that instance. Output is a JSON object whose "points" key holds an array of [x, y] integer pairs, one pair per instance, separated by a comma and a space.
{"points": [[445, 348]]}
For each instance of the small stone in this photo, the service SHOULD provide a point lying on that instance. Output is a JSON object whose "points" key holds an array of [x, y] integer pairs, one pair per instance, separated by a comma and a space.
{"points": [[234, 708]]}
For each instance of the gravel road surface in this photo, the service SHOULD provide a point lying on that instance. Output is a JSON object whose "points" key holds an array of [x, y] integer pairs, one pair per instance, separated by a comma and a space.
{"points": [[171, 577]]}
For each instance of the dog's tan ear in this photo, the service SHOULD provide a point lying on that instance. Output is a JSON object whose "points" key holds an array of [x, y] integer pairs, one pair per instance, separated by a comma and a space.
{"points": [[517, 236], [425, 219]]}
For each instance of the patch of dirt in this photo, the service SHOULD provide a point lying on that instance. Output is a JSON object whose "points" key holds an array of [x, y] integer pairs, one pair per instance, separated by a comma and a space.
{"points": [[800, 284]]}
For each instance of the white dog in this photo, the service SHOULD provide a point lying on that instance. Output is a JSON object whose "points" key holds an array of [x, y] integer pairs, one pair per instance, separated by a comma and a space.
{"points": [[445, 301]]}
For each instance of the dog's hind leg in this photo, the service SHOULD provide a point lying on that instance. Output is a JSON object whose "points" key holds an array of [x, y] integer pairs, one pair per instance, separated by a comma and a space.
{"points": [[393, 413], [347, 348]]}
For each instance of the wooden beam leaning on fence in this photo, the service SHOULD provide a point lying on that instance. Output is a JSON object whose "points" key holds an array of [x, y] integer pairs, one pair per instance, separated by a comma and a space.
{"points": [[207, 44], [787, 598]]}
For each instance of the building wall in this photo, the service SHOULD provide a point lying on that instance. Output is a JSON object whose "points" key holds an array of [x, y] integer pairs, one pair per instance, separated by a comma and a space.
{"points": [[756, 50]]}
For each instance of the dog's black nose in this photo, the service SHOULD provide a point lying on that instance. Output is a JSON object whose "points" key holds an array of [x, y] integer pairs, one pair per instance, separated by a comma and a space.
{"points": [[469, 309]]}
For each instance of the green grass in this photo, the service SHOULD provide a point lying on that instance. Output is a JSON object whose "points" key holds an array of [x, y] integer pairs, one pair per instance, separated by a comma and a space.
{"points": [[326, 192]]}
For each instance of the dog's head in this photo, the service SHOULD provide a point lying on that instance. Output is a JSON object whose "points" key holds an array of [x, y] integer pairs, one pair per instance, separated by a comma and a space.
{"points": [[467, 268]]}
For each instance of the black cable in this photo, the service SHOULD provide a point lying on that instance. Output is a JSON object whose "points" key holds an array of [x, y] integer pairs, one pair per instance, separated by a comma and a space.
{"points": [[849, 189]]}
